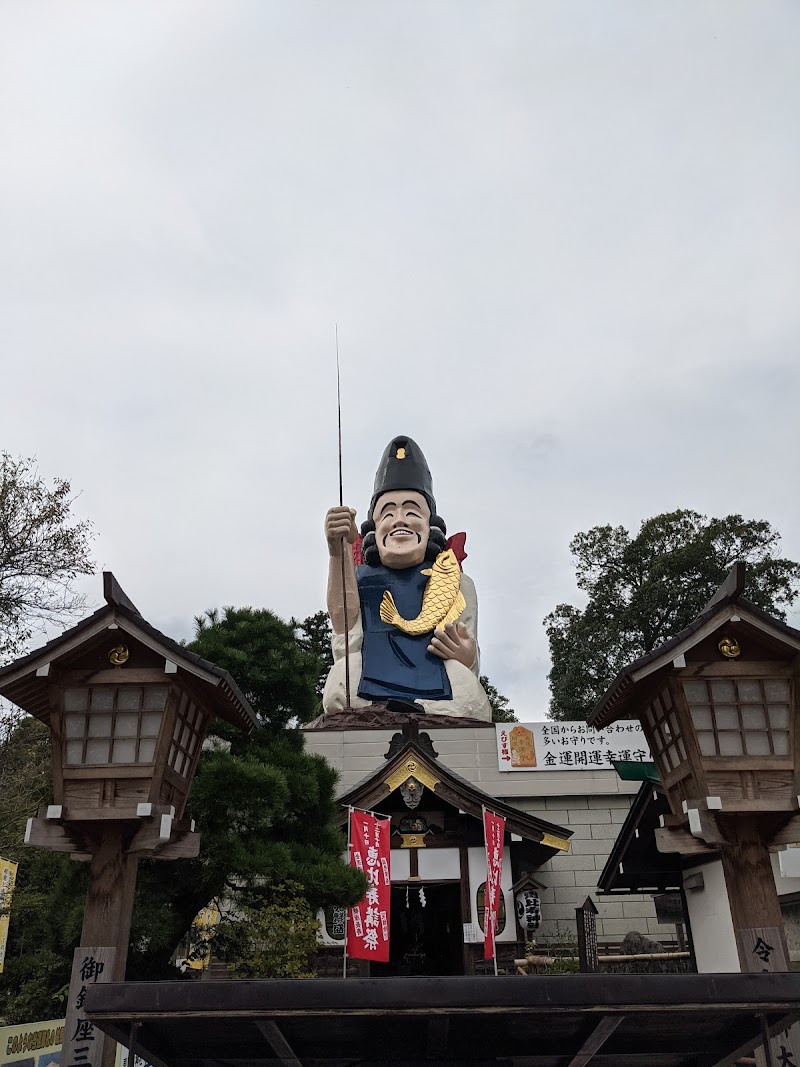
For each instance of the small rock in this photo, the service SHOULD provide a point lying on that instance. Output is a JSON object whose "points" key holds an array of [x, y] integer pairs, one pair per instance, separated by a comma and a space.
{"points": [[636, 944]]}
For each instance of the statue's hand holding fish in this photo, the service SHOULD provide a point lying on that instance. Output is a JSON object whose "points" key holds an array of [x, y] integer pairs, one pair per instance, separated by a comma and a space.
{"points": [[454, 642]]}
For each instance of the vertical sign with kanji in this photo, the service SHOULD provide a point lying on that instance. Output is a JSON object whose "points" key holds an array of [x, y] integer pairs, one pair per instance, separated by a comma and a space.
{"points": [[83, 1042], [586, 922], [761, 949], [494, 827], [8, 873], [368, 923]]}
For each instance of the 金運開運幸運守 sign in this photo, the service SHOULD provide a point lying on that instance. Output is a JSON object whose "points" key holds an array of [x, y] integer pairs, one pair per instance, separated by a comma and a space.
{"points": [[568, 746]]}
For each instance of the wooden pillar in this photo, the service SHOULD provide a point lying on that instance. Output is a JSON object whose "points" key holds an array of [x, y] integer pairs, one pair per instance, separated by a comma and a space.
{"points": [[107, 915], [467, 956], [109, 901], [755, 909]]}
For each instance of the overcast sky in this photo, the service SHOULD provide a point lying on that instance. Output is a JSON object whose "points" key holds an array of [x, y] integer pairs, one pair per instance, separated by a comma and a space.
{"points": [[561, 241]]}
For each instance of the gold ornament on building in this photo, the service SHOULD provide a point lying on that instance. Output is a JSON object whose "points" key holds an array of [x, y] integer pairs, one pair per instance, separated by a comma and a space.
{"points": [[118, 655], [729, 648]]}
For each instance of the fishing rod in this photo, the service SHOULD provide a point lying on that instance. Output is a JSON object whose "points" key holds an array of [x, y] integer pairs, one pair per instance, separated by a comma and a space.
{"points": [[344, 539]]}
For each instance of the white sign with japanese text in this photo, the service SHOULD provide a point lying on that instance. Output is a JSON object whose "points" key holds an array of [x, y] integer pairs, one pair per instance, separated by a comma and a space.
{"points": [[83, 1041], [568, 746]]}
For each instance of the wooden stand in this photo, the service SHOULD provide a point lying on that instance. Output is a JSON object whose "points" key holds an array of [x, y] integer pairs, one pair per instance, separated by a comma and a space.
{"points": [[109, 901], [755, 909]]}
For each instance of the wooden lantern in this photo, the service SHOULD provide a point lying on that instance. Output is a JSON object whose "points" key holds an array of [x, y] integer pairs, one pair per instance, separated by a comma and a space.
{"points": [[719, 706], [128, 710]]}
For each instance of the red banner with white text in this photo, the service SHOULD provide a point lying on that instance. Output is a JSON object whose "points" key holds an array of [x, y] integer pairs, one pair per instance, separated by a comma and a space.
{"points": [[368, 922], [494, 827]]}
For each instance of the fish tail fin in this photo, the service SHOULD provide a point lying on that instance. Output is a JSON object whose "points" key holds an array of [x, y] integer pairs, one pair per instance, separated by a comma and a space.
{"points": [[458, 606], [388, 610]]}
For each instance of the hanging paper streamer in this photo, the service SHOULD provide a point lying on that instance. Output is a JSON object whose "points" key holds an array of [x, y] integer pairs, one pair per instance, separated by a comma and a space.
{"points": [[368, 927], [494, 829]]}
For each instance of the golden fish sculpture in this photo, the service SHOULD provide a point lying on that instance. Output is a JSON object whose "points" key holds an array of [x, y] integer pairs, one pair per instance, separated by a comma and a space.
{"points": [[442, 601]]}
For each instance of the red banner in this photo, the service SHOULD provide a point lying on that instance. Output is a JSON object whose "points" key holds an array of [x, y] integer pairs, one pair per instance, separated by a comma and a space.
{"points": [[368, 922], [494, 827]]}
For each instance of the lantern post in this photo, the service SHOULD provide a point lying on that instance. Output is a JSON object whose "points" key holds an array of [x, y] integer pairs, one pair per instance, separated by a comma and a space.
{"points": [[128, 710]]}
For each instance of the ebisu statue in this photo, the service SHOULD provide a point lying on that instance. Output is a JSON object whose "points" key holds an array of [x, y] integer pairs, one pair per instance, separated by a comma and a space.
{"points": [[412, 614]]}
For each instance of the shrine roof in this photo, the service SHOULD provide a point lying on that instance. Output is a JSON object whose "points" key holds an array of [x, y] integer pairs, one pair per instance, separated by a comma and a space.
{"points": [[25, 681], [414, 758], [634, 864], [601, 1020]]}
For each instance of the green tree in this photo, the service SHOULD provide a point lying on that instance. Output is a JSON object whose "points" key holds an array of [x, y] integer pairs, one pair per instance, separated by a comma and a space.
{"points": [[264, 807], [501, 712], [43, 550], [643, 589], [271, 938], [24, 776], [315, 637], [46, 909]]}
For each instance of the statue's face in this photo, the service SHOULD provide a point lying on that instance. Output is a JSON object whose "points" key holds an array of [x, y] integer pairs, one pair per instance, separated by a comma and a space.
{"points": [[402, 525]]}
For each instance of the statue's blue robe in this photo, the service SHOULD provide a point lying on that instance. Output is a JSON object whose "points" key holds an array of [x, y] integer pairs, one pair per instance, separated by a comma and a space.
{"points": [[393, 664]]}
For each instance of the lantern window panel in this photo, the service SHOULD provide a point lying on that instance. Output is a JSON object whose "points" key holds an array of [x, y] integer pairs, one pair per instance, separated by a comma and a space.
{"points": [[126, 724], [151, 723], [740, 715], [754, 717], [129, 698], [147, 750], [757, 742], [99, 725], [726, 716], [707, 742], [664, 724], [76, 699], [696, 692], [74, 751], [74, 725], [780, 742], [97, 750], [730, 743], [778, 716], [776, 689], [185, 737], [701, 717], [722, 691], [749, 690], [155, 697], [96, 716], [102, 698], [124, 750]]}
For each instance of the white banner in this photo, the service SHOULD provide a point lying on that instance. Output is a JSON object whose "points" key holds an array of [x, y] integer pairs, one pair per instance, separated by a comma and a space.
{"points": [[568, 746]]}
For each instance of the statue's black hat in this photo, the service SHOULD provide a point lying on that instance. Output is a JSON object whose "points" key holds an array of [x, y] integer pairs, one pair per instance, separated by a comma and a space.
{"points": [[403, 466]]}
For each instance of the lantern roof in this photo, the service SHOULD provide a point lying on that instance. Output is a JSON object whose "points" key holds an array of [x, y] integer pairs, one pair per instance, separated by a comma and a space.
{"points": [[726, 605], [26, 683]]}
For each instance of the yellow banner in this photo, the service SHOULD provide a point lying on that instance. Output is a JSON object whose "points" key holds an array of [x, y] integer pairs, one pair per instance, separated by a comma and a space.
{"points": [[32, 1043], [199, 949], [8, 874]]}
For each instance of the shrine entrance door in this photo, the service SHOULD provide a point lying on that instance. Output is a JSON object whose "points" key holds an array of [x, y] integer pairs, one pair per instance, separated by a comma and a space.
{"points": [[426, 931]]}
